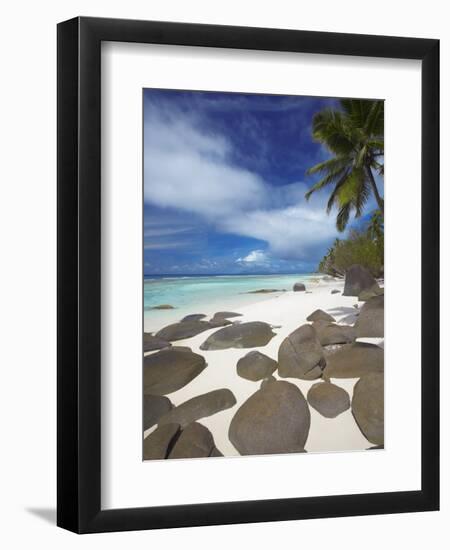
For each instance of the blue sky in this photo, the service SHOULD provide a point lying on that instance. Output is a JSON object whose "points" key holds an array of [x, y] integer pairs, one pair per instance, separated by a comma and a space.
{"points": [[224, 184]]}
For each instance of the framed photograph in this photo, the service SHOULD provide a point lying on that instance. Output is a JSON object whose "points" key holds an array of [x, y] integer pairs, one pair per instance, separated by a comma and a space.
{"points": [[236, 206]]}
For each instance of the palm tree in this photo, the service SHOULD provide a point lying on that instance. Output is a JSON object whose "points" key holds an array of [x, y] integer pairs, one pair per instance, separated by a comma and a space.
{"points": [[354, 135]]}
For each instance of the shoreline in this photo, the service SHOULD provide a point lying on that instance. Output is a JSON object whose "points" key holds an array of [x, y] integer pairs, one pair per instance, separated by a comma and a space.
{"points": [[154, 319]]}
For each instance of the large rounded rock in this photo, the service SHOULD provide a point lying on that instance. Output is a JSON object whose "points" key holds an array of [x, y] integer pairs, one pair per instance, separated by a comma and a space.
{"points": [[199, 407], [155, 406], [328, 399], [299, 287], [256, 366], [353, 361], [357, 279], [370, 322], [152, 343], [170, 369], [157, 445], [195, 441], [331, 333], [275, 419], [375, 290], [245, 335], [301, 355], [320, 315], [182, 330], [368, 407]]}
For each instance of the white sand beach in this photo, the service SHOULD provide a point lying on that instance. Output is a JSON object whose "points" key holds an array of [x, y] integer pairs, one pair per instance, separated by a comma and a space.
{"points": [[285, 312]]}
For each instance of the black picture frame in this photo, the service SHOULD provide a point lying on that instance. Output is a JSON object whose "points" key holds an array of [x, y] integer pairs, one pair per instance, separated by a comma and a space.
{"points": [[79, 280]]}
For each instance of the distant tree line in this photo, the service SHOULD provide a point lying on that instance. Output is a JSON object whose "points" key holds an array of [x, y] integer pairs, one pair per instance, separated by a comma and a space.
{"points": [[364, 247]]}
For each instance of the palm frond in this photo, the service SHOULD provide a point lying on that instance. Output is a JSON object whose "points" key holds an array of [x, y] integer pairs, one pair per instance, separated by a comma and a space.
{"points": [[327, 180], [357, 111], [354, 191], [361, 157], [351, 186], [374, 124], [361, 198], [330, 165], [343, 216], [334, 194], [331, 129]]}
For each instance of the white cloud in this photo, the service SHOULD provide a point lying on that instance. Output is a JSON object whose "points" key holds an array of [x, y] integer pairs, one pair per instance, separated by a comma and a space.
{"points": [[165, 245], [189, 168], [254, 257], [291, 232], [165, 231]]}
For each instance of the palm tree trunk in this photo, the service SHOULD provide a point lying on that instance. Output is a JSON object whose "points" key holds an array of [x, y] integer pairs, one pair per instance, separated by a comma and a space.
{"points": [[378, 197]]}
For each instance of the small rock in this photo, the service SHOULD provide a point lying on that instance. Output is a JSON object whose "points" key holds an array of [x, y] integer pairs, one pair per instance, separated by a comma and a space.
{"points": [[221, 318], [335, 291], [357, 279], [195, 441], [368, 407], [301, 355], [225, 315], [245, 335], [328, 399], [193, 317], [157, 445], [265, 291], [199, 407], [163, 306], [320, 315], [155, 406], [275, 419], [182, 330], [299, 287], [255, 366], [170, 369]]}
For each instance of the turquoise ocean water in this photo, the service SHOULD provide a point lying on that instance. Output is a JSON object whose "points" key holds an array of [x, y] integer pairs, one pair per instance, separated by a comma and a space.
{"points": [[206, 294]]}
